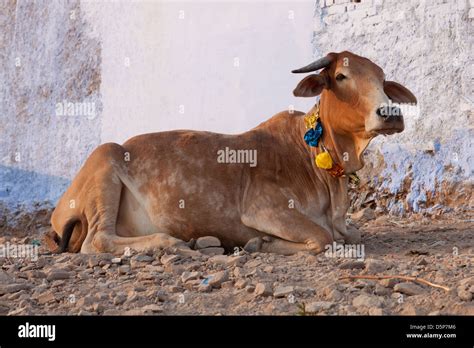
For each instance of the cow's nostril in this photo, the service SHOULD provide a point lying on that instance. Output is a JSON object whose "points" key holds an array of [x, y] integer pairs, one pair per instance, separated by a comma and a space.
{"points": [[382, 112], [387, 111]]}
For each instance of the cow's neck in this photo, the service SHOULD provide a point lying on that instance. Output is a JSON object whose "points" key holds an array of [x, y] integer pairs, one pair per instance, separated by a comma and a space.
{"points": [[345, 148]]}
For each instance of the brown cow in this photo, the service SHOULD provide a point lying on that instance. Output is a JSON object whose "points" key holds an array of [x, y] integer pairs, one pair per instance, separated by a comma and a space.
{"points": [[162, 189]]}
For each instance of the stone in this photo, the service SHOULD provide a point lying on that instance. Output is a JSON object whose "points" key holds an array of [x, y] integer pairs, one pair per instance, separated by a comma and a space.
{"points": [[317, 306], [229, 284], [116, 260], [352, 264], [206, 242], [389, 283], [253, 263], [263, 289], [93, 262], [85, 301], [409, 309], [204, 287], [142, 258], [161, 295], [167, 259], [376, 311], [152, 308], [381, 290], [373, 266], [250, 288], [237, 261], [335, 295], [46, 297], [368, 301], [363, 215], [119, 299], [240, 284], [112, 312], [189, 276], [219, 259], [216, 279], [98, 307], [268, 269], [12, 288], [282, 291], [58, 274], [124, 269], [212, 251], [422, 262], [408, 288], [5, 278], [4, 309], [464, 294]]}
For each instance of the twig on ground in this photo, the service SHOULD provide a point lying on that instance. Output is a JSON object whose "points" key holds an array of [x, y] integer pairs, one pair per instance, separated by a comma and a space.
{"points": [[413, 279]]}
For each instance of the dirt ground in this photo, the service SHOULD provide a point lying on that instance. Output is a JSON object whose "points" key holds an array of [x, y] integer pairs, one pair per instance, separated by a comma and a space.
{"points": [[439, 249]]}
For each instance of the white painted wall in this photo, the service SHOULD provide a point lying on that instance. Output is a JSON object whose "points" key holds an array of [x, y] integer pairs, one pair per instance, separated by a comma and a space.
{"points": [[218, 66], [427, 45], [158, 65], [152, 60]]}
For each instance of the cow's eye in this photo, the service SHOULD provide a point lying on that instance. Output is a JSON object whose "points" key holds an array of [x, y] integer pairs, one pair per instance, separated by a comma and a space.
{"points": [[340, 77]]}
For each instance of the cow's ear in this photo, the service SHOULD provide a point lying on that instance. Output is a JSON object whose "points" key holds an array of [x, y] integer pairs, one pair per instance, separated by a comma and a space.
{"points": [[310, 86], [398, 93]]}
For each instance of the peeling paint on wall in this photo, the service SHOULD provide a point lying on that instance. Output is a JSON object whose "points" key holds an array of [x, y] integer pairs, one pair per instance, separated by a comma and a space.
{"points": [[47, 57], [427, 46]]}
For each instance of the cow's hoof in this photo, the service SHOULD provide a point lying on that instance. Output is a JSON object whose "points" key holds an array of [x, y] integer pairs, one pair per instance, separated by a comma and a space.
{"points": [[353, 235], [254, 245]]}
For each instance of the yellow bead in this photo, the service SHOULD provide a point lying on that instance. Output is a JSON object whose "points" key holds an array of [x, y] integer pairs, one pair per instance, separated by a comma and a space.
{"points": [[324, 160], [310, 121]]}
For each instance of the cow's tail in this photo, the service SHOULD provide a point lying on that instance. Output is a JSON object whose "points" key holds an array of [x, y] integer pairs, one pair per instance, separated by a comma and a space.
{"points": [[71, 238]]}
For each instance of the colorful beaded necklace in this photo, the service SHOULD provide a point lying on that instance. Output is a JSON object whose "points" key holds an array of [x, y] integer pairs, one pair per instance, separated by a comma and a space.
{"points": [[313, 137]]}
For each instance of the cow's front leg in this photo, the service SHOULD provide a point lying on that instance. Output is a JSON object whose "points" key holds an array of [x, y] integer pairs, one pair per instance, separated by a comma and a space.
{"points": [[288, 231], [111, 243]]}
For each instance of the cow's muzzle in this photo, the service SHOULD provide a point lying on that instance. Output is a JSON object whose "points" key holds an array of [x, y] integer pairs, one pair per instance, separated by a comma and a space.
{"points": [[386, 120]]}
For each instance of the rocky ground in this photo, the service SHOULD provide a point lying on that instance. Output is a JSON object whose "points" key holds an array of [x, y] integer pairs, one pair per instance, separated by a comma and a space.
{"points": [[439, 249]]}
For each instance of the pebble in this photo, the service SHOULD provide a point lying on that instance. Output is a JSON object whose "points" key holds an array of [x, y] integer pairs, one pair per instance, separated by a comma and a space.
{"points": [[240, 284], [282, 291], [46, 297], [124, 269], [381, 290], [212, 251], [408, 288], [388, 283], [363, 215], [206, 242], [263, 289], [409, 309], [168, 259], [189, 276], [116, 260], [318, 306], [376, 311], [373, 266], [367, 301], [152, 308], [216, 279], [250, 288], [219, 259], [352, 264], [58, 274], [119, 299], [12, 288]]}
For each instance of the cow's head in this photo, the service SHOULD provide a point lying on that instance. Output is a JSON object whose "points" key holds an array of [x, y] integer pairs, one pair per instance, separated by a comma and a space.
{"points": [[358, 98]]}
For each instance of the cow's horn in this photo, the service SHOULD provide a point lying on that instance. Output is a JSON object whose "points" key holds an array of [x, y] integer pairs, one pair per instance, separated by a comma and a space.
{"points": [[316, 65]]}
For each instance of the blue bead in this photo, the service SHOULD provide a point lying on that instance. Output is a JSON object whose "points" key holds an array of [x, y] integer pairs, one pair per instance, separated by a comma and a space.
{"points": [[313, 135]]}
